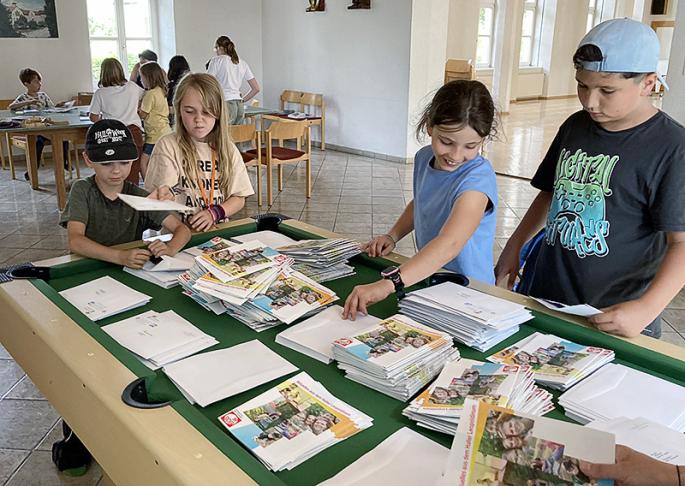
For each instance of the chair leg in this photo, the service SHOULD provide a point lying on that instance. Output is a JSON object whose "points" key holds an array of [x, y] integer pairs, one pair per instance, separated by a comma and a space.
{"points": [[69, 166], [10, 159], [280, 177], [269, 183], [309, 178], [323, 135], [2, 155], [259, 184], [78, 169]]}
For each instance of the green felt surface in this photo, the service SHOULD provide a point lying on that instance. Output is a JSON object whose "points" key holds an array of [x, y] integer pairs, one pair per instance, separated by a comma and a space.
{"points": [[385, 411]]}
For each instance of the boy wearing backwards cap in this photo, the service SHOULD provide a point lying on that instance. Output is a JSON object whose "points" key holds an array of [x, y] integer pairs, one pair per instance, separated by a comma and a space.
{"points": [[96, 218], [611, 191]]}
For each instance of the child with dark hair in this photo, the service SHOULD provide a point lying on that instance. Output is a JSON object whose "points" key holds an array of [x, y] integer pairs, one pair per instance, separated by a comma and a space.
{"points": [[455, 198], [35, 99], [611, 191], [154, 110], [178, 67]]}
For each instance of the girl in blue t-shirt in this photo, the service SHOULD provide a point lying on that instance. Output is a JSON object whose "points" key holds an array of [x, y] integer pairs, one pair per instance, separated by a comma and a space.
{"points": [[455, 198]]}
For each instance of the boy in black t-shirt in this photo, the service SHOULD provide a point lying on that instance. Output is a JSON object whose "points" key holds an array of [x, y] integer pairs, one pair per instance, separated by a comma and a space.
{"points": [[611, 191]]}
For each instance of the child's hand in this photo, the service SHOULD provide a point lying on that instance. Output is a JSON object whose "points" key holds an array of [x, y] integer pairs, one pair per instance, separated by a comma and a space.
{"points": [[162, 193], [365, 295], [202, 220], [633, 469], [507, 266], [159, 248], [627, 319], [379, 246], [134, 258]]}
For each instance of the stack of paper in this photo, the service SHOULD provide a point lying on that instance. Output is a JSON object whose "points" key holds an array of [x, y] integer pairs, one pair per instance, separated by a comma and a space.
{"points": [[159, 338], [315, 336], [269, 238], [495, 445], [104, 297], [441, 405], [405, 458], [474, 318], [556, 363], [618, 391], [647, 437], [323, 260], [397, 356], [240, 260], [165, 273], [210, 377], [292, 422]]}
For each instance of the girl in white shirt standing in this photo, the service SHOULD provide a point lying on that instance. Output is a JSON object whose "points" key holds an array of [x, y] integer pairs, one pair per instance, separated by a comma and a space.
{"points": [[118, 99], [230, 71]]}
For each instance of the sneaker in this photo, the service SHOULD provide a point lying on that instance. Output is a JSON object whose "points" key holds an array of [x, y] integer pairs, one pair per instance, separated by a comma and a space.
{"points": [[69, 454]]}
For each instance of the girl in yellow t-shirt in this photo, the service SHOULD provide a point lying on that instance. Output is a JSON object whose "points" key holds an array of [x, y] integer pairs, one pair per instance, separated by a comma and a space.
{"points": [[154, 110], [198, 165]]}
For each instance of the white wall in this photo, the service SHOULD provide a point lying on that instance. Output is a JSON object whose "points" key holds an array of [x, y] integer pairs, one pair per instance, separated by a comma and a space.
{"points": [[674, 100], [462, 30], [64, 62], [358, 59], [198, 23]]}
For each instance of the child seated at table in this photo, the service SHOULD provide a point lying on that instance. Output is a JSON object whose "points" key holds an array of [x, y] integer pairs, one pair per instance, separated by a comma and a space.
{"points": [[96, 218], [35, 99]]}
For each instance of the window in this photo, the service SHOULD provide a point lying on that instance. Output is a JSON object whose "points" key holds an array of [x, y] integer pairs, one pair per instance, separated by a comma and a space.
{"points": [[120, 29], [594, 14], [486, 30], [530, 32]]}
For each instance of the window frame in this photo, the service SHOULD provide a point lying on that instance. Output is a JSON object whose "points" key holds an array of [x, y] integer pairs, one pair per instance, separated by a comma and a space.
{"points": [[491, 36], [595, 12], [121, 39], [538, 8]]}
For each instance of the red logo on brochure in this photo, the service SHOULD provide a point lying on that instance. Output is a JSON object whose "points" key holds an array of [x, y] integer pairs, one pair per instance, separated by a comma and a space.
{"points": [[344, 342], [230, 419], [510, 368]]}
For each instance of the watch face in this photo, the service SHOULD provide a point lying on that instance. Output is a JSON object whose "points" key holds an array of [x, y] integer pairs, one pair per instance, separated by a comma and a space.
{"points": [[390, 271]]}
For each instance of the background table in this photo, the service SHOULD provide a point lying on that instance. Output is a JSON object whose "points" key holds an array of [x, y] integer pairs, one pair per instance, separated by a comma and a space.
{"points": [[82, 371]]}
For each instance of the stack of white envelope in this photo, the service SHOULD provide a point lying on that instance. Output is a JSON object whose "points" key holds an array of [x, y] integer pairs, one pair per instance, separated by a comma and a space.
{"points": [[647, 437], [556, 363], [405, 458], [440, 406], [323, 260], [159, 338], [396, 356], [618, 391], [315, 336], [293, 421], [104, 297], [165, 273], [474, 318], [209, 377], [271, 239]]}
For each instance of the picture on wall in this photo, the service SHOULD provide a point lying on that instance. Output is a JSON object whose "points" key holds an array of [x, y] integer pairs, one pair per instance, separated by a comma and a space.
{"points": [[316, 6], [28, 18]]}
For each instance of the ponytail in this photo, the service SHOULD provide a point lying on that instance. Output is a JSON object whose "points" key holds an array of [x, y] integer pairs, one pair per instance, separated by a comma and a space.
{"points": [[228, 48]]}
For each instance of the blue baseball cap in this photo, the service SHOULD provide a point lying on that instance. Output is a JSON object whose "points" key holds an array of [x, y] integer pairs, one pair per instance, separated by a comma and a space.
{"points": [[627, 46]]}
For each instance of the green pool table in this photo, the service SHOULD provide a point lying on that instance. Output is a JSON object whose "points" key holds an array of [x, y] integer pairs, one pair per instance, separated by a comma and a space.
{"points": [[82, 372]]}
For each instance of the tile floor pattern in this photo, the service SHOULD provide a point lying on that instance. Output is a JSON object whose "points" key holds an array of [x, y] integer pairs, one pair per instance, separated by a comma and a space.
{"points": [[355, 196]]}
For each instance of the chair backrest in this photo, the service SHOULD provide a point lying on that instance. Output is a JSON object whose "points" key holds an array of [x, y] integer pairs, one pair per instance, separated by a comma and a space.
{"points": [[242, 133], [4, 104], [312, 99], [84, 98], [459, 69], [287, 130]]}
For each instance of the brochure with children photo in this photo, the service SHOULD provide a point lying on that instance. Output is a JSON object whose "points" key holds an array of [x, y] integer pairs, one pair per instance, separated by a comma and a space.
{"points": [[240, 260], [494, 445], [215, 244]]}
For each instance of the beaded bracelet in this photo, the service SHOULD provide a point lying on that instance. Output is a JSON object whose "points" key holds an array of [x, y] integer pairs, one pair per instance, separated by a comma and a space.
{"points": [[217, 211]]}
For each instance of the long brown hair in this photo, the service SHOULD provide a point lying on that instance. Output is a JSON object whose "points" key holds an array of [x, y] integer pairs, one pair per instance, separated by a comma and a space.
{"points": [[218, 139], [228, 47], [154, 76], [111, 73]]}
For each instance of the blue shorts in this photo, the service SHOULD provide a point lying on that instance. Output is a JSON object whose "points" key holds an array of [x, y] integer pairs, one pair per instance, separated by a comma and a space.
{"points": [[147, 148]]}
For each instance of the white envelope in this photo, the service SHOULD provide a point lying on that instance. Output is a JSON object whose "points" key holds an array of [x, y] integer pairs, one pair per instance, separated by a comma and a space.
{"points": [[405, 458], [146, 204], [269, 238], [178, 263]]}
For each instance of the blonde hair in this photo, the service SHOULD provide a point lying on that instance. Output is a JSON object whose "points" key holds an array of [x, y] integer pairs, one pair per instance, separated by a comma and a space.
{"points": [[154, 75], [111, 73], [219, 138]]}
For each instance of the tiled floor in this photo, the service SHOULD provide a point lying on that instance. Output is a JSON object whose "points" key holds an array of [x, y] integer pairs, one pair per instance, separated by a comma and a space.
{"points": [[355, 196]]}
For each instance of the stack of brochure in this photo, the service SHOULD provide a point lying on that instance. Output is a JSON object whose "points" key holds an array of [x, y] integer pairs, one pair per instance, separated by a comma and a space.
{"points": [[269, 238], [441, 405], [396, 356], [647, 437], [209, 377], [405, 458], [104, 297], [165, 273], [556, 363], [495, 445], [323, 260], [315, 336], [159, 338], [618, 391], [240, 260], [474, 318], [292, 422]]}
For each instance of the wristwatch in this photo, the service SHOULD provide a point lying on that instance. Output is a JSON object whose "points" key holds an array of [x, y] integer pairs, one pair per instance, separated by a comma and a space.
{"points": [[393, 274]]}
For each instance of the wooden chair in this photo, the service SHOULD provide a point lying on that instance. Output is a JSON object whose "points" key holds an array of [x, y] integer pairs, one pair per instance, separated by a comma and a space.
{"points": [[306, 103], [279, 155], [84, 98], [252, 158], [4, 105], [20, 142]]}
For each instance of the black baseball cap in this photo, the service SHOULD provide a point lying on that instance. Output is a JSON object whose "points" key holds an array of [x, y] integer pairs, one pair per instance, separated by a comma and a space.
{"points": [[110, 141]]}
